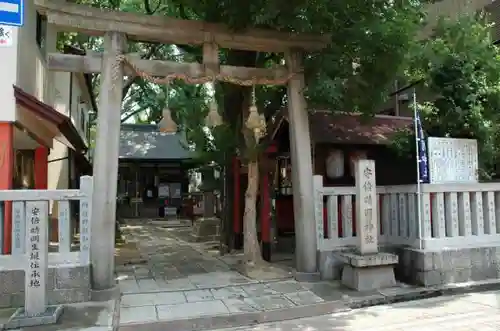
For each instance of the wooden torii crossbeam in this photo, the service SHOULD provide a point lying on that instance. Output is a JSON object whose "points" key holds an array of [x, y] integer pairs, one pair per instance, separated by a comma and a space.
{"points": [[147, 28], [117, 27], [93, 21]]}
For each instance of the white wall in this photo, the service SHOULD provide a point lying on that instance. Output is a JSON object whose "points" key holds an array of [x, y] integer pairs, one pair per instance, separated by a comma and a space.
{"points": [[9, 60]]}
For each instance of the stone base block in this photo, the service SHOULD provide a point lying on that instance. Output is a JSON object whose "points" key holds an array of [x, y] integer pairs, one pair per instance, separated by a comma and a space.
{"points": [[368, 260], [329, 265], [448, 266], [206, 229], [368, 278], [21, 320]]}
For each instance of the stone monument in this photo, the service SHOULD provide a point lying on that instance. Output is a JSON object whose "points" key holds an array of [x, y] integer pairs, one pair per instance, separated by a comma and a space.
{"points": [[36, 311], [366, 268], [207, 227]]}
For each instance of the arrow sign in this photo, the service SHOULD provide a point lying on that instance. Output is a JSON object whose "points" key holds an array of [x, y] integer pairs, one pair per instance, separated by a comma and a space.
{"points": [[12, 12]]}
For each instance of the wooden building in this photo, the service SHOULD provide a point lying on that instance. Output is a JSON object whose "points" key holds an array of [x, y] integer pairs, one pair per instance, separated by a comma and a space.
{"points": [[153, 172], [337, 140]]}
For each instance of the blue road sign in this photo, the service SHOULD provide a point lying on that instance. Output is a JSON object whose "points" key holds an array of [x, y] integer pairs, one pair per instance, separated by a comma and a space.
{"points": [[12, 12]]}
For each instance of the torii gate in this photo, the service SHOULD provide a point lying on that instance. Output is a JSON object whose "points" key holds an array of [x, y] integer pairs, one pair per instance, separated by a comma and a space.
{"points": [[116, 27]]}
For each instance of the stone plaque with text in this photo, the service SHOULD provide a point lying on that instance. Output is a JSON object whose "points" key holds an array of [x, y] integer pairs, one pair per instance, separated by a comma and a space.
{"points": [[366, 206]]}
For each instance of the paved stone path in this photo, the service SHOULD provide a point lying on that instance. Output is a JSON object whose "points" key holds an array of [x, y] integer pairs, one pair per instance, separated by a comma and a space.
{"points": [[179, 281], [472, 312], [183, 280]]}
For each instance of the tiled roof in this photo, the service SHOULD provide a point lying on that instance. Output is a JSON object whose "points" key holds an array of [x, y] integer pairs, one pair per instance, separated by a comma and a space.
{"points": [[344, 128], [147, 142], [351, 129]]}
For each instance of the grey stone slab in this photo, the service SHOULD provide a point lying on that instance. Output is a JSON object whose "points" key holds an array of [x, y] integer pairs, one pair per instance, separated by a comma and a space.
{"points": [[5, 301], [271, 302], [172, 273], [177, 285], [192, 309], [228, 292], [240, 305], [241, 280], [191, 269], [11, 281], [303, 298], [150, 299], [148, 285], [329, 266], [137, 300], [258, 290], [128, 286], [170, 298], [142, 273], [21, 319], [368, 278], [429, 278], [210, 266], [134, 315], [55, 297], [73, 277], [289, 286], [199, 295], [368, 260], [17, 300]]}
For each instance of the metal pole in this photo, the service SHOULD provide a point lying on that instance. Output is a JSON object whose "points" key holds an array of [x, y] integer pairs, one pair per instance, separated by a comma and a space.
{"points": [[419, 197]]}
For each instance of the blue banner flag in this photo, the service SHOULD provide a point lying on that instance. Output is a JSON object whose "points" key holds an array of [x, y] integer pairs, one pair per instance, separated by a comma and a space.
{"points": [[422, 160]]}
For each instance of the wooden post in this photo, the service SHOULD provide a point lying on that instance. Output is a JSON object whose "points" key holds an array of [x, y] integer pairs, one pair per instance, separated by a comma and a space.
{"points": [[265, 216], [237, 226], [6, 181], [103, 213], [302, 174]]}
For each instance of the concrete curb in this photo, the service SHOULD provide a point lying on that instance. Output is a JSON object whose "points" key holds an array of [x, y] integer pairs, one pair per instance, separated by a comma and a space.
{"points": [[318, 309], [240, 319], [425, 293]]}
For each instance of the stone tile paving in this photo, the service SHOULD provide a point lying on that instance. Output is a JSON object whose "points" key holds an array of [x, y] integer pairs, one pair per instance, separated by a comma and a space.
{"points": [[216, 301], [180, 281]]}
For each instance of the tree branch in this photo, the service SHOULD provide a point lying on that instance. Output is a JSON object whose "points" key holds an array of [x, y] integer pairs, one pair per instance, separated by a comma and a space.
{"points": [[133, 79], [135, 112]]}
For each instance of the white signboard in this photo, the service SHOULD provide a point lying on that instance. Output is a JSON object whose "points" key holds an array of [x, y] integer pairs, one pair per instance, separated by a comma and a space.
{"points": [[163, 191], [6, 36], [452, 160]]}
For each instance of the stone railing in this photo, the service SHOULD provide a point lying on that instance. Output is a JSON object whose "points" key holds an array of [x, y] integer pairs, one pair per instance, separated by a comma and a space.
{"points": [[452, 216], [49, 277]]}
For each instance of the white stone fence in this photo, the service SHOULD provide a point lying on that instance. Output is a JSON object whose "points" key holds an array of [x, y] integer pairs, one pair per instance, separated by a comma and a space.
{"points": [[452, 216], [30, 237]]}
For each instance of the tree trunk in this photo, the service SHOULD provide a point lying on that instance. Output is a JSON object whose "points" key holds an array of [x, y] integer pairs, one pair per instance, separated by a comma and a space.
{"points": [[251, 244]]}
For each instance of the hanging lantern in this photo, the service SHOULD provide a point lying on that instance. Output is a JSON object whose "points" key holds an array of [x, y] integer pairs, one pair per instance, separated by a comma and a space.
{"points": [[213, 118], [167, 124], [335, 164]]}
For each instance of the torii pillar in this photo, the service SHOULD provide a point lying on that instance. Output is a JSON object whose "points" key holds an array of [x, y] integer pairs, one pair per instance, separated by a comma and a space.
{"points": [[102, 239], [302, 172]]}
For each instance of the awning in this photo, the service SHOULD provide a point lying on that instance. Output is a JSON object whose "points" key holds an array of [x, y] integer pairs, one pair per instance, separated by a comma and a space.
{"points": [[46, 123]]}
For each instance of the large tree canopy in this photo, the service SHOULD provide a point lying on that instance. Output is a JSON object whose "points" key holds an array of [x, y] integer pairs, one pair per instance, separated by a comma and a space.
{"points": [[351, 74], [460, 73], [369, 46]]}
